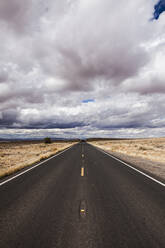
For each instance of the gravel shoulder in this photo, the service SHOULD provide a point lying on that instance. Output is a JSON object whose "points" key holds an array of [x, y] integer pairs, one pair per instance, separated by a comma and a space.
{"points": [[147, 154]]}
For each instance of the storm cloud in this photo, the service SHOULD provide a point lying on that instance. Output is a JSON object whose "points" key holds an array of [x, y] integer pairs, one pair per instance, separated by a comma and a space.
{"points": [[81, 68]]}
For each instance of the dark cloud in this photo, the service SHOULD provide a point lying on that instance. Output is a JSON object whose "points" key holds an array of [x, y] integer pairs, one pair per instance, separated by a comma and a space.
{"points": [[3, 75], [15, 13], [45, 125], [8, 118]]}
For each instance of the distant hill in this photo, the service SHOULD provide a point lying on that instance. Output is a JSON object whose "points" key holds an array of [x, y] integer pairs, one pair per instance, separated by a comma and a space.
{"points": [[100, 139], [37, 140]]}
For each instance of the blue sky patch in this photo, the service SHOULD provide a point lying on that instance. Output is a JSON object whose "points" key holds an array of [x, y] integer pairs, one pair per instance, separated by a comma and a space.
{"points": [[88, 100], [159, 9]]}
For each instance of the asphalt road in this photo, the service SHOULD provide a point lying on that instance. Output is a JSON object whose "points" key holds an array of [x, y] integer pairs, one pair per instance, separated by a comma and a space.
{"points": [[82, 198]]}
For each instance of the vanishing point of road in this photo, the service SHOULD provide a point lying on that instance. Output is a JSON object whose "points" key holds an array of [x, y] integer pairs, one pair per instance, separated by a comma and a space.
{"points": [[81, 198]]}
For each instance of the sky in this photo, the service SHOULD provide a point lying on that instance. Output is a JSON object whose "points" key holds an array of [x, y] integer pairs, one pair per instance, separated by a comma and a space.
{"points": [[80, 68]]}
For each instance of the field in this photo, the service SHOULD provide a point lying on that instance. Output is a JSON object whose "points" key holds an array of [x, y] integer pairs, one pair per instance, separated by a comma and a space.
{"points": [[16, 155], [148, 154]]}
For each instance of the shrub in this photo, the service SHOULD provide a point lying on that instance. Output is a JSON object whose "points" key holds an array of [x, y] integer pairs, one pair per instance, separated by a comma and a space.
{"points": [[142, 148], [47, 140]]}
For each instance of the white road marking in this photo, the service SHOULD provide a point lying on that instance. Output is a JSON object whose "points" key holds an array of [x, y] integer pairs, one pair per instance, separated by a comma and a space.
{"points": [[82, 155], [82, 171], [144, 174], [31, 168]]}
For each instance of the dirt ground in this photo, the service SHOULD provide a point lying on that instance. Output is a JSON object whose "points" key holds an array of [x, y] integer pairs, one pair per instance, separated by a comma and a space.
{"points": [[148, 154], [17, 155]]}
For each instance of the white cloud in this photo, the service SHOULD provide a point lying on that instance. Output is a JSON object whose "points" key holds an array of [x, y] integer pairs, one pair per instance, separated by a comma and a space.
{"points": [[55, 54]]}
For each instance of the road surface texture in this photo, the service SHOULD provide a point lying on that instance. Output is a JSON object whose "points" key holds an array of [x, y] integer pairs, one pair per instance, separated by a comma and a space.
{"points": [[82, 198]]}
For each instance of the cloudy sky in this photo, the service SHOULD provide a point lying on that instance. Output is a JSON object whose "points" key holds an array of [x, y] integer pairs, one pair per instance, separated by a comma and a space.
{"points": [[80, 68]]}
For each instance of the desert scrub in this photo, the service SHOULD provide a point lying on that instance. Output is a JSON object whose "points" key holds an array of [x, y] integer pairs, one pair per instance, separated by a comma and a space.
{"points": [[47, 140], [142, 148], [14, 156]]}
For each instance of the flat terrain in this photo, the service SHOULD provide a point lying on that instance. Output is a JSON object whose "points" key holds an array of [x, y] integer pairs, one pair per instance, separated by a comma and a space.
{"points": [[82, 198], [17, 155], [147, 154]]}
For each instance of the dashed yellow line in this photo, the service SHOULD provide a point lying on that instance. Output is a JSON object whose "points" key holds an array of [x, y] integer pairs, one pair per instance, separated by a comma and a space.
{"points": [[82, 171], [83, 208]]}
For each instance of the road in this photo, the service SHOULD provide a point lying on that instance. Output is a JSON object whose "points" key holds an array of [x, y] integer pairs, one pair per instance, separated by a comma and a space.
{"points": [[82, 198]]}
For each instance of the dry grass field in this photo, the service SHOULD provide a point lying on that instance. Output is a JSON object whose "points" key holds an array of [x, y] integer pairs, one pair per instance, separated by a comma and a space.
{"points": [[16, 155], [148, 154]]}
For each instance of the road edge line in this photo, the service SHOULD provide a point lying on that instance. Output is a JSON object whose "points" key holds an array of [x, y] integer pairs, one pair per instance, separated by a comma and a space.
{"points": [[130, 166], [33, 167]]}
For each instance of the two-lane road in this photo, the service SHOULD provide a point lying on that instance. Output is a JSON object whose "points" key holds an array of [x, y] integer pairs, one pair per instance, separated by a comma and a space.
{"points": [[82, 198]]}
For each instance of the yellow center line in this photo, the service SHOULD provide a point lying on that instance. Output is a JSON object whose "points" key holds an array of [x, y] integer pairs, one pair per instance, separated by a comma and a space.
{"points": [[83, 209], [82, 171]]}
